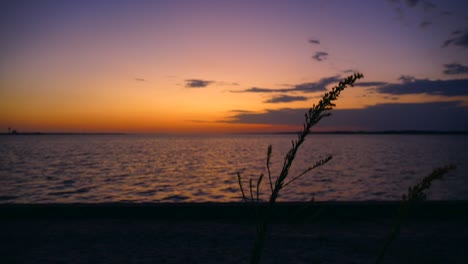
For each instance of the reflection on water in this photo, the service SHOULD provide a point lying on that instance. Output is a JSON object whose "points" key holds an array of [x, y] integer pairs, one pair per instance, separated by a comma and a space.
{"points": [[149, 168]]}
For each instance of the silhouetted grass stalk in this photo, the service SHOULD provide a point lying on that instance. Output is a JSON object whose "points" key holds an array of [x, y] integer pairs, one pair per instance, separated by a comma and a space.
{"points": [[415, 194], [312, 117]]}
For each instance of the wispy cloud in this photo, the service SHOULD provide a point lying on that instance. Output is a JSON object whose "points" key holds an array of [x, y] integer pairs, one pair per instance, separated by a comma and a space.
{"points": [[314, 41], [285, 99], [407, 78], [321, 85], [140, 79], [197, 83], [239, 111], [455, 68], [425, 4], [263, 90], [427, 7], [411, 85], [201, 83], [320, 55], [309, 87], [349, 71], [458, 38]]}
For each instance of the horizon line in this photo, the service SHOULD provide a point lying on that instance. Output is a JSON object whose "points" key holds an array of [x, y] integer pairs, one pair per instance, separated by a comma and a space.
{"points": [[410, 131]]}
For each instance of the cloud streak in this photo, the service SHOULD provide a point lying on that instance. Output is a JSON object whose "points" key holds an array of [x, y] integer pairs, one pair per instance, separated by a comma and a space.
{"points": [[455, 69], [200, 83], [239, 111], [197, 83], [411, 85], [314, 41], [309, 87], [459, 38], [320, 55], [285, 99]]}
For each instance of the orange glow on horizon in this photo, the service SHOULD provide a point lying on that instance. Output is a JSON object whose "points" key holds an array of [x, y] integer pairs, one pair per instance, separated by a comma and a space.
{"points": [[129, 69]]}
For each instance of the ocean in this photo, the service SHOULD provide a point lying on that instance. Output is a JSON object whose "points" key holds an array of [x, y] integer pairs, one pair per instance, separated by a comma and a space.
{"points": [[196, 168]]}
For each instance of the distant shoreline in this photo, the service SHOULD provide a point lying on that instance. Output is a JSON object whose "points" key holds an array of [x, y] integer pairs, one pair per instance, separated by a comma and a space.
{"points": [[384, 132], [59, 134]]}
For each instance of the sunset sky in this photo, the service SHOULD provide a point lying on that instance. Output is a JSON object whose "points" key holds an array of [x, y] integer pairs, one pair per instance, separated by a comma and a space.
{"points": [[231, 66]]}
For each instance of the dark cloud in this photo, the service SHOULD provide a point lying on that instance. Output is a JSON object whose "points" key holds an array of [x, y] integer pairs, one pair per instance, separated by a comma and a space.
{"points": [[369, 84], [197, 83], [428, 6], [441, 116], [285, 99], [263, 90], [412, 3], [140, 79], [321, 85], [399, 116], [455, 68], [407, 78], [310, 87], [459, 38], [400, 7], [411, 85], [314, 41], [284, 116], [320, 55]]}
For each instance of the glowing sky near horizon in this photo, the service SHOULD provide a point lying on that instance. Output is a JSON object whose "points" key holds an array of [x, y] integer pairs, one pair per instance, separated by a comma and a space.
{"points": [[191, 66]]}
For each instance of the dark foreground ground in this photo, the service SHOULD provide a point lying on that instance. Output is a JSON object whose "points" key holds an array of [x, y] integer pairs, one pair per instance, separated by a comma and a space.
{"points": [[436, 232]]}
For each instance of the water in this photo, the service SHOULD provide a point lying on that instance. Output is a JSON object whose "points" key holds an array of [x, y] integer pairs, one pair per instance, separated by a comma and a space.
{"points": [[151, 168]]}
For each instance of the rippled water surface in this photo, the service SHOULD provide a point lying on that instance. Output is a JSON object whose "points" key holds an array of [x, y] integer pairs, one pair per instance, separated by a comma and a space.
{"points": [[151, 168]]}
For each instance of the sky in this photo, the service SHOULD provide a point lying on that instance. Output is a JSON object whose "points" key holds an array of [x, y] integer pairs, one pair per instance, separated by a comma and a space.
{"points": [[231, 66]]}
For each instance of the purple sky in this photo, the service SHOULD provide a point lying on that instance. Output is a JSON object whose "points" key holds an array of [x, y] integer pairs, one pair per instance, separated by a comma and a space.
{"points": [[231, 66]]}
